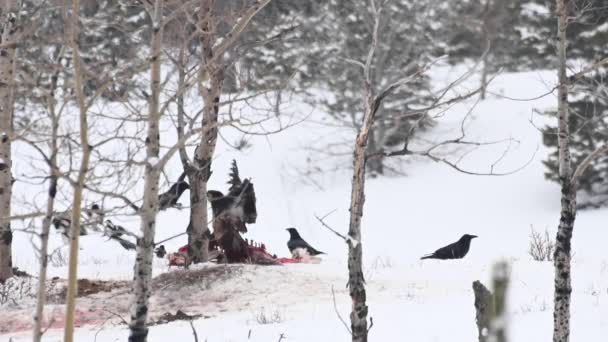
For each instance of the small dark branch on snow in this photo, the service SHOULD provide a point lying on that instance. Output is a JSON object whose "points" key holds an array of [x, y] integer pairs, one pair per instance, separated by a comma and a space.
{"points": [[195, 334], [333, 296], [371, 324], [281, 337]]}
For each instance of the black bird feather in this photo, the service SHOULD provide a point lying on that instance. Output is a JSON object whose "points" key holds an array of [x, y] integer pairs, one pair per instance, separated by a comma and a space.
{"points": [[169, 198]]}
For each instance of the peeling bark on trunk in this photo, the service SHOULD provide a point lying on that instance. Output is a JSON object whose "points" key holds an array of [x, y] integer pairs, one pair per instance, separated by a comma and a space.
{"points": [[356, 281], [8, 19], [562, 257], [142, 273]]}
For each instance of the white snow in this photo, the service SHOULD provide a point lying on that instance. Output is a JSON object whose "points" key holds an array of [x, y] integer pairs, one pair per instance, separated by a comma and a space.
{"points": [[404, 218], [153, 161]]}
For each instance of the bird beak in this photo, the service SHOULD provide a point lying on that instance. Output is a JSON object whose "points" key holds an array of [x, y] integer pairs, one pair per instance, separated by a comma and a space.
{"points": [[473, 236]]}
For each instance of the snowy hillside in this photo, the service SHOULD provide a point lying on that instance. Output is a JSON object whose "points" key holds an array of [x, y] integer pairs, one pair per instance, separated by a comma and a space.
{"points": [[405, 218]]}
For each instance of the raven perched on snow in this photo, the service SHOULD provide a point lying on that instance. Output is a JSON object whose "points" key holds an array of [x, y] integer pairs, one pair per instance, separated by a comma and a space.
{"points": [[296, 244], [456, 250]]}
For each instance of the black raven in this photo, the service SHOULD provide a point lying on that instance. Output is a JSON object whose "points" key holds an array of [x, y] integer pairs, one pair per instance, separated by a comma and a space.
{"points": [[296, 244], [169, 199], [456, 250], [160, 251]]}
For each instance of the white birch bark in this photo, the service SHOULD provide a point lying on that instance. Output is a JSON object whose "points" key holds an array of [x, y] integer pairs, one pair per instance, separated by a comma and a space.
{"points": [[142, 276], [8, 36], [562, 256]]}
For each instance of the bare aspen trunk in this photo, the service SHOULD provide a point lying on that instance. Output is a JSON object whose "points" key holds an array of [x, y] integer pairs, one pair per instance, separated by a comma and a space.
{"points": [[142, 273], [72, 38], [561, 257], [8, 19], [214, 72], [46, 223], [356, 281]]}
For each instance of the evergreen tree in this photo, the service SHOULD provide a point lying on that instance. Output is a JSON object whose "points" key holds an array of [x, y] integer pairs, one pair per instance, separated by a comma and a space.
{"points": [[589, 99], [110, 40], [408, 39]]}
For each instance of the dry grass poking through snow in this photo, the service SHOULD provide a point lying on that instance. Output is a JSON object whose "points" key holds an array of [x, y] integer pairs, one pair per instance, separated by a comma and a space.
{"points": [[202, 278]]}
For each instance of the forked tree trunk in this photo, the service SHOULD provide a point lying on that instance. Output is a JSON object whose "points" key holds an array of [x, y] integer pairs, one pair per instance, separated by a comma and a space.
{"points": [[72, 38], [562, 257], [8, 18], [142, 276], [211, 83], [213, 71]]}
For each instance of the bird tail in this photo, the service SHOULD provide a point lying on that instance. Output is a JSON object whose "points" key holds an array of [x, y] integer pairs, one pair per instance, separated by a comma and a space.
{"points": [[428, 256]]}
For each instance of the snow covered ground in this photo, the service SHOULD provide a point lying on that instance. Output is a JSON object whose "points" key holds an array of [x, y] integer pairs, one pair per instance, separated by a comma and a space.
{"points": [[404, 218]]}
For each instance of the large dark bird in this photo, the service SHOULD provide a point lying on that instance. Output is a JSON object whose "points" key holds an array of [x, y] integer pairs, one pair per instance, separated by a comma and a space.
{"points": [[296, 245], [169, 199], [231, 213], [456, 250], [239, 205]]}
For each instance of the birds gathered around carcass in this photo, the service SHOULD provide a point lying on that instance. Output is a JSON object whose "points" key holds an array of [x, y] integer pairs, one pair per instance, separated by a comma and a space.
{"points": [[231, 213], [298, 247], [456, 250]]}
